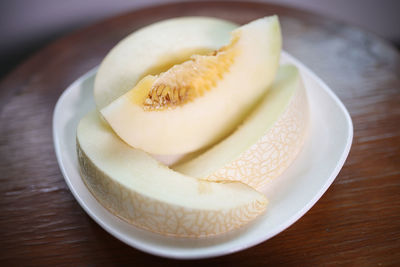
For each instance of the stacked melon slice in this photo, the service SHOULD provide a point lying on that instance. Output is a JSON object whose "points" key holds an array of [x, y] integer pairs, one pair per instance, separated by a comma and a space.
{"points": [[185, 85], [265, 144]]}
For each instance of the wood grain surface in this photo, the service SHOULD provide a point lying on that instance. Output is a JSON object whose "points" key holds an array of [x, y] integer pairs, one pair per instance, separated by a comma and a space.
{"points": [[355, 223]]}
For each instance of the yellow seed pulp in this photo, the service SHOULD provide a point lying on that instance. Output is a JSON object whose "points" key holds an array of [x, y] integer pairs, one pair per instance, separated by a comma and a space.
{"points": [[184, 82]]}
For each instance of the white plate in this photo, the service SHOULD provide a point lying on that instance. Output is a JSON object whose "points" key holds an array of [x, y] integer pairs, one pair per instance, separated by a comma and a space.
{"points": [[291, 195]]}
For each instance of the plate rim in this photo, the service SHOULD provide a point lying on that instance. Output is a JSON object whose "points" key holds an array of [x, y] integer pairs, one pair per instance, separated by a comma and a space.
{"points": [[160, 252]]}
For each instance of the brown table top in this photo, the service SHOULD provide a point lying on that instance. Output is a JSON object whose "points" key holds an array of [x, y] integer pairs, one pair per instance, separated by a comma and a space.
{"points": [[356, 222]]}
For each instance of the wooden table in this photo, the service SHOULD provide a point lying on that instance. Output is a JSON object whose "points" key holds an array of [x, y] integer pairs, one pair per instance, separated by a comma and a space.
{"points": [[356, 222]]}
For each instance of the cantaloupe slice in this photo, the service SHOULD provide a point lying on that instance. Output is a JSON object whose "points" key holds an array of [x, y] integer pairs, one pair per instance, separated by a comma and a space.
{"points": [[137, 188], [198, 102], [267, 142]]}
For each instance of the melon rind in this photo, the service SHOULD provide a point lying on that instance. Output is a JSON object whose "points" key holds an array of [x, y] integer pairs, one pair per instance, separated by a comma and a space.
{"points": [[266, 143], [135, 187]]}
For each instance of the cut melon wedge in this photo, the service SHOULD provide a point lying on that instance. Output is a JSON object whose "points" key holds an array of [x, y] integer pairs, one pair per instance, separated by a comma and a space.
{"points": [[138, 189], [198, 102], [267, 142]]}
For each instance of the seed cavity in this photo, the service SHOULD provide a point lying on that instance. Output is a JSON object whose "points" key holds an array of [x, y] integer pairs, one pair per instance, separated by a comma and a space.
{"points": [[185, 82]]}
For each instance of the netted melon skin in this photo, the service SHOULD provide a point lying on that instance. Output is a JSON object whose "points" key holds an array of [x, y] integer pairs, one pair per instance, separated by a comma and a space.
{"points": [[275, 151]]}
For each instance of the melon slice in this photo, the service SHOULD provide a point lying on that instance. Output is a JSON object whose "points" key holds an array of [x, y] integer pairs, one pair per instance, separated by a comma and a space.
{"points": [[154, 49], [267, 142], [194, 104], [140, 190]]}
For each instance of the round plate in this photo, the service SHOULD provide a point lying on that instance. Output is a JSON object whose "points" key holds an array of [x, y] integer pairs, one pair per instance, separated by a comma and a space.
{"points": [[290, 195]]}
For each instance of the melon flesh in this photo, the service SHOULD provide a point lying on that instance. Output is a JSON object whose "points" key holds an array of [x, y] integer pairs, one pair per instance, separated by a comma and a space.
{"points": [[211, 115], [155, 48], [140, 190], [266, 143]]}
